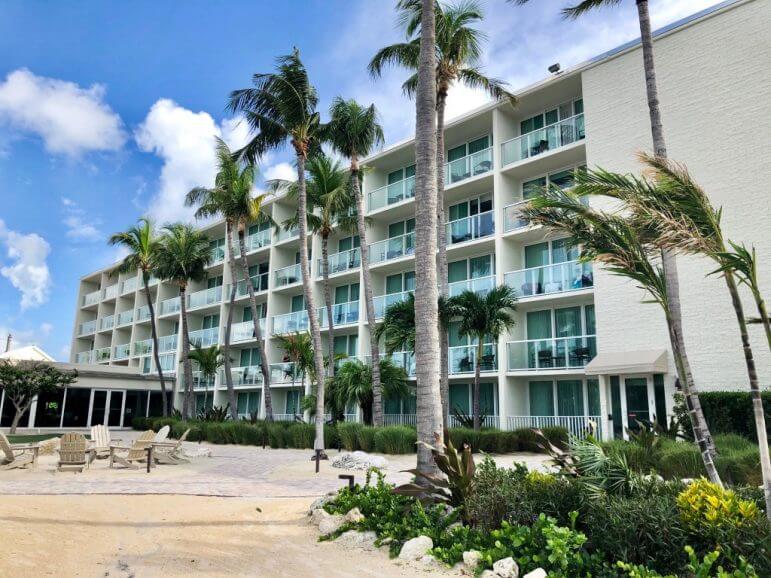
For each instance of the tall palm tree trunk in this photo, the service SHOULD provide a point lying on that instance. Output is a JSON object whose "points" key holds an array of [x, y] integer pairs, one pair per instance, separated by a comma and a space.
{"points": [[257, 331], [310, 302], [187, 367], [369, 303], [444, 286], [757, 400], [328, 305], [229, 325], [763, 312], [668, 260], [429, 403], [477, 378], [154, 333]]}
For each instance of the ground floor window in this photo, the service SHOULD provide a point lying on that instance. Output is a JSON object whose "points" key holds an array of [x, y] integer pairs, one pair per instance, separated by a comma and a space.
{"points": [[293, 397], [203, 402], [49, 408], [77, 406], [249, 403], [461, 398]]}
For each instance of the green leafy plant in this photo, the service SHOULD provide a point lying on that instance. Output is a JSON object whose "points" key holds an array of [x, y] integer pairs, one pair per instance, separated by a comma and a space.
{"points": [[214, 413]]}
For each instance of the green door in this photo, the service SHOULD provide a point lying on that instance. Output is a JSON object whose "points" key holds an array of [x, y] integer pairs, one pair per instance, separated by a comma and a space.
{"points": [[541, 398], [459, 398], [615, 402], [637, 409]]}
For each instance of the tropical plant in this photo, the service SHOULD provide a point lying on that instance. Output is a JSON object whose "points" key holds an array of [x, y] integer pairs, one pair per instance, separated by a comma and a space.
{"points": [[625, 250], [397, 330], [353, 384], [354, 131], [281, 107], [482, 316], [216, 413], [182, 256], [298, 349], [208, 360], [232, 198], [141, 242]]}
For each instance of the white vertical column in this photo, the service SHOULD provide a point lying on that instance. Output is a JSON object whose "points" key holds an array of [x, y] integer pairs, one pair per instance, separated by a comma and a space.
{"points": [[605, 410]]}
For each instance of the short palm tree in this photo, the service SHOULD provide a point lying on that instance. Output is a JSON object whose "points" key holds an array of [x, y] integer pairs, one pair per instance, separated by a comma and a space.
{"points": [[182, 256], [624, 250], [483, 316], [354, 131], [281, 108], [142, 243], [353, 385], [208, 361], [233, 199]]}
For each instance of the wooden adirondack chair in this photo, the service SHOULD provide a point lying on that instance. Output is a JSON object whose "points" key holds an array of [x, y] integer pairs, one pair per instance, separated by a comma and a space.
{"points": [[14, 456], [162, 435], [101, 440], [170, 452], [74, 453], [135, 454]]}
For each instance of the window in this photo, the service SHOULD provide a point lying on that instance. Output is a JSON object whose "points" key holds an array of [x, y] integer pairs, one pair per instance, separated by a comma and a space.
{"points": [[298, 303], [541, 398], [346, 293], [563, 179], [567, 321], [346, 345], [257, 273], [660, 397], [533, 188], [471, 219], [593, 395], [546, 118], [293, 397], [217, 247], [212, 282], [549, 252], [539, 324], [459, 398], [250, 357], [615, 399], [262, 309], [211, 321], [248, 402], [589, 323], [254, 229], [400, 282], [401, 228], [570, 397], [348, 243]]}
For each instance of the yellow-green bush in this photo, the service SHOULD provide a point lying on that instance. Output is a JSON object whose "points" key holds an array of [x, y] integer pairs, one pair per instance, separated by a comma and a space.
{"points": [[704, 504]]}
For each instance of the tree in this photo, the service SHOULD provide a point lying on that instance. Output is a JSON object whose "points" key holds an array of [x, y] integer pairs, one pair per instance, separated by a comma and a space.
{"points": [[233, 199], [298, 347], [182, 256], [209, 360], [354, 131], [330, 207], [141, 242], [624, 250], [458, 52], [353, 384], [24, 380], [483, 316], [282, 107]]}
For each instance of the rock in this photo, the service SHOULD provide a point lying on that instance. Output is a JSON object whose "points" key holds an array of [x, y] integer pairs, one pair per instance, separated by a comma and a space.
{"points": [[537, 573], [352, 538], [506, 568], [196, 452], [320, 503], [318, 515], [354, 516], [471, 559], [488, 574], [48, 447], [359, 461], [416, 548], [330, 524]]}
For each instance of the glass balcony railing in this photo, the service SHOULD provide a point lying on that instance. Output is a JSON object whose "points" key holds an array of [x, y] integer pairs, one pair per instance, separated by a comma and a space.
{"points": [[92, 298], [168, 363], [205, 337], [111, 291], [106, 323], [153, 280], [285, 373], [129, 285], [122, 351], [84, 357], [383, 302], [288, 275], [343, 261], [549, 279], [284, 235], [169, 306], [211, 296], [256, 241], [513, 218], [201, 381], [144, 347], [469, 166], [463, 359], [125, 318], [259, 283], [479, 285], [143, 313], [391, 194], [245, 331], [290, 322], [251, 375], [470, 228], [167, 343], [393, 248], [342, 314], [549, 354], [544, 139], [102, 354], [405, 360]]}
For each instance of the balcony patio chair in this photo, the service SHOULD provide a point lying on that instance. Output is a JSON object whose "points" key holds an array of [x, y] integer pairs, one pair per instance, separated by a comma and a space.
{"points": [[482, 167], [135, 454], [14, 456], [170, 452], [545, 358], [487, 363], [580, 355], [101, 441]]}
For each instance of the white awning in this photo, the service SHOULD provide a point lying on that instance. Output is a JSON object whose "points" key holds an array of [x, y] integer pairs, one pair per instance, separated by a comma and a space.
{"points": [[625, 362]]}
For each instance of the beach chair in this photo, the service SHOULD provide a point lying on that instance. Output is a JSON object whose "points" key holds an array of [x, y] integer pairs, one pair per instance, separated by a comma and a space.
{"points": [[14, 456], [74, 453], [135, 454], [101, 440], [162, 435], [170, 452]]}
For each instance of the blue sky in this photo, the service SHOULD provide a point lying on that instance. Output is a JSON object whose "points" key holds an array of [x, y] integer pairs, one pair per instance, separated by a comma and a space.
{"points": [[108, 111]]}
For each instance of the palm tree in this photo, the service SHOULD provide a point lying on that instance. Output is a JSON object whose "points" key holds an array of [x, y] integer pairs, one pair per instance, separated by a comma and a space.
{"points": [[483, 316], [298, 348], [209, 360], [142, 243], [328, 193], [624, 250], [182, 256], [398, 326], [232, 198], [353, 384], [458, 51], [354, 131], [281, 107]]}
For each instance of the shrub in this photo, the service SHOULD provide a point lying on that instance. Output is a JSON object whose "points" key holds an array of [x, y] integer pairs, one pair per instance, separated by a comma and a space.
{"points": [[730, 412], [706, 507], [395, 440], [301, 436], [365, 438], [348, 434], [276, 435]]}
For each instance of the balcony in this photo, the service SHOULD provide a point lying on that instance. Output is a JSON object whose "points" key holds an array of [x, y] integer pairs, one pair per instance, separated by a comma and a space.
{"points": [[217, 255], [169, 306], [87, 328], [403, 359], [144, 347], [545, 139], [341, 262], [168, 363], [284, 235], [102, 354], [211, 296], [383, 302], [122, 351], [342, 314], [112, 291], [513, 219], [129, 285], [256, 241], [84, 357], [290, 322], [251, 375], [245, 331], [288, 275], [143, 313], [480, 285], [259, 283], [202, 382], [551, 279], [92, 298], [462, 359], [167, 343], [106, 323], [550, 354], [391, 194], [471, 228], [125, 318], [285, 373], [205, 337], [393, 248], [477, 163]]}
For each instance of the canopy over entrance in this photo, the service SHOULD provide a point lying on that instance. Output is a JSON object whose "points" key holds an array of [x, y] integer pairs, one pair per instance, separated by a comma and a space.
{"points": [[653, 361]]}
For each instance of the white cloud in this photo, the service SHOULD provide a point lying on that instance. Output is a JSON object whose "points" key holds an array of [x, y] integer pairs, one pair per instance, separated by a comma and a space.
{"points": [[70, 119], [28, 270], [79, 226], [282, 171], [184, 140]]}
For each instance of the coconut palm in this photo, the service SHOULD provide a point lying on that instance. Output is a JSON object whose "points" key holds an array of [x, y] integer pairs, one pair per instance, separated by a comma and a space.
{"points": [[483, 316], [624, 250], [398, 326], [281, 108], [141, 242], [354, 131], [298, 349], [232, 198], [208, 361], [182, 256], [330, 209], [353, 384], [458, 51]]}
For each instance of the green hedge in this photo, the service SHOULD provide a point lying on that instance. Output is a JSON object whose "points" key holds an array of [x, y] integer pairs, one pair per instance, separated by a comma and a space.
{"points": [[729, 412]]}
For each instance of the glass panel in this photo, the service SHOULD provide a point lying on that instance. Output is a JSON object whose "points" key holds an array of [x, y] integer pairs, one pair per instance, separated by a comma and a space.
{"points": [[578, 106], [541, 398], [637, 402], [539, 324], [116, 407], [76, 410], [49, 408], [481, 266], [409, 281], [344, 244], [456, 339], [395, 229], [479, 144], [395, 176], [526, 126], [298, 303], [533, 188], [243, 401], [561, 251], [342, 294], [567, 321], [409, 171], [458, 211], [570, 397], [99, 407], [457, 271], [459, 397], [536, 255], [563, 179], [593, 393], [615, 399], [552, 116], [456, 153], [591, 328], [487, 398], [393, 284], [660, 397]]}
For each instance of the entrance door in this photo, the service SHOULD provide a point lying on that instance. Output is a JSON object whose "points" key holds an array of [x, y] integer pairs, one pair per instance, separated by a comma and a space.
{"points": [[637, 409], [107, 407], [116, 409], [98, 406]]}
